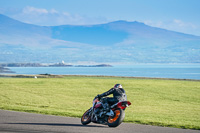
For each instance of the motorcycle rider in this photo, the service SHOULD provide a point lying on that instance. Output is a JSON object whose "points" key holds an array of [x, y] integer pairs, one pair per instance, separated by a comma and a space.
{"points": [[119, 94]]}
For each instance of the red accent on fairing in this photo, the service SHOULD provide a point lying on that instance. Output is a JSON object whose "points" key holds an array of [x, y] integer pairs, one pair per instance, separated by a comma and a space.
{"points": [[123, 104], [96, 100], [97, 105]]}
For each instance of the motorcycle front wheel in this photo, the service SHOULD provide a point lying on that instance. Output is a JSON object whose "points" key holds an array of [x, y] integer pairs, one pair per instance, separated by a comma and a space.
{"points": [[86, 118], [117, 119]]}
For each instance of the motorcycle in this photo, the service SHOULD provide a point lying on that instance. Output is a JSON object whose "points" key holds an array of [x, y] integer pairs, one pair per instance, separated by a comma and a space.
{"points": [[112, 118]]}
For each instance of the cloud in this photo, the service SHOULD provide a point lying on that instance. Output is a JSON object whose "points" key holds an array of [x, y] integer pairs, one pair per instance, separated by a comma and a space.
{"points": [[50, 17], [182, 24], [42, 16], [175, 25], [33, 10]]}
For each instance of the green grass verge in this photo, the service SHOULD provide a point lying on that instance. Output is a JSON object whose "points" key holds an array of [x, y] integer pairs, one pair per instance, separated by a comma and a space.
{"points": [[171, 103]]}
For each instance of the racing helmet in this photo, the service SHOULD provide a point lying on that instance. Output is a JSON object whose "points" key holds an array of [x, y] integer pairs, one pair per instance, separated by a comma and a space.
{"points": [[118, 86]]}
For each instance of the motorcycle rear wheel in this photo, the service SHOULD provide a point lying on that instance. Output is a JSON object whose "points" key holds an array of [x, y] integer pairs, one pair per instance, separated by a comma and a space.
{"points": [[86, 118], [117, 119]]}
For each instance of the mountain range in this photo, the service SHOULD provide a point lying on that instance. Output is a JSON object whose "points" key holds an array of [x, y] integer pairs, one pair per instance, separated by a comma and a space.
{"points": [[114, 42]]}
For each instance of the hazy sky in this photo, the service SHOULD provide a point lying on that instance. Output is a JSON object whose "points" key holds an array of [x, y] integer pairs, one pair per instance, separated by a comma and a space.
{"points": [[177, 15]]}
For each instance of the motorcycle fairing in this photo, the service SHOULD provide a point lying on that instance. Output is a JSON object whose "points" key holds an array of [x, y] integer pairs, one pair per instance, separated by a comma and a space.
{"points": [[123, 104]]}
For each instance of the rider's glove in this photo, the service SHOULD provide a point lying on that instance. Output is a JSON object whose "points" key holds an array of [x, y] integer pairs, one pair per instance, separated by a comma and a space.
{"points": [[98, 96]]}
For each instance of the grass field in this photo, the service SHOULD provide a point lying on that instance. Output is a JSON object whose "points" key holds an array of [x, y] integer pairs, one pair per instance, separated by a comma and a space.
{"points": [[172, 103]]}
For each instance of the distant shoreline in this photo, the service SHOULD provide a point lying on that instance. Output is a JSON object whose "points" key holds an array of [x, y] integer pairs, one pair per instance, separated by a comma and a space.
{"points": [[49, 65], [4, 69]]}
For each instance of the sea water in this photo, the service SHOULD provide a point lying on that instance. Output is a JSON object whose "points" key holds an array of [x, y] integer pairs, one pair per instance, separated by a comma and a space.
{"points": [[178, 71]]}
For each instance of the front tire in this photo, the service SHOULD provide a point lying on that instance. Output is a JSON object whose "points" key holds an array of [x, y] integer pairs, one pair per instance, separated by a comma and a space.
{"points": [[86, 118], [117, 119]]}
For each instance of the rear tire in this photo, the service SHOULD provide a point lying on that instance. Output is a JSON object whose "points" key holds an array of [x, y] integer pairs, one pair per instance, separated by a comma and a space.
{"points": [[86, 118], [117, 119]]}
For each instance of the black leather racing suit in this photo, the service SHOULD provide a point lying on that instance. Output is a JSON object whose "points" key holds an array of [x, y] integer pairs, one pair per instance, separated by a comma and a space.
{"points": [[119, 94]]}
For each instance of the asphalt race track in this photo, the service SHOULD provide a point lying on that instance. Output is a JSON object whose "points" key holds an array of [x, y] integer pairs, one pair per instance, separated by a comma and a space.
{"points": [[20, 122]]}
